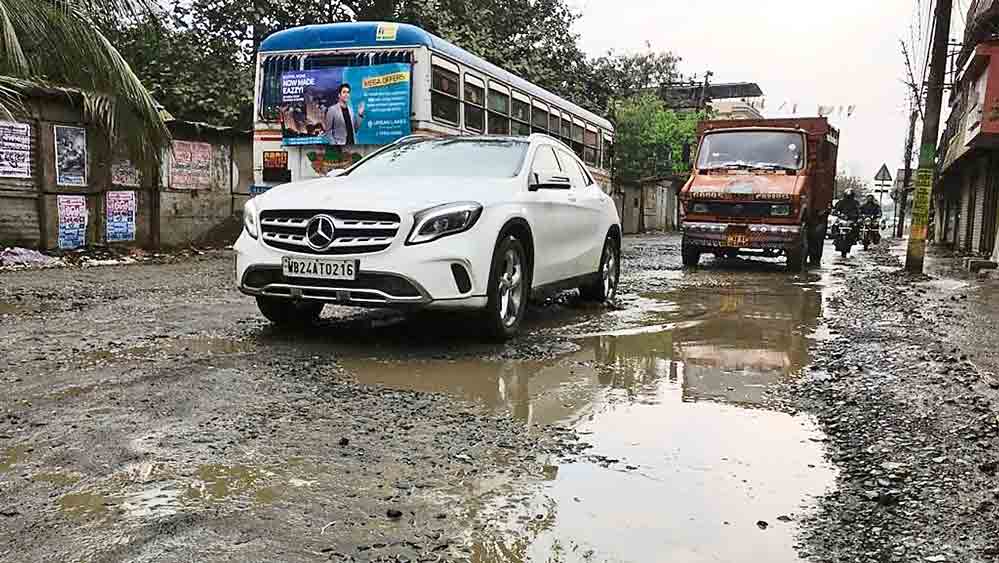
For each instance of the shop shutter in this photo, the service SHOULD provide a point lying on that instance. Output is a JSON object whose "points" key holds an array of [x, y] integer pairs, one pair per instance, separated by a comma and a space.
{"points": [[963, 216]]}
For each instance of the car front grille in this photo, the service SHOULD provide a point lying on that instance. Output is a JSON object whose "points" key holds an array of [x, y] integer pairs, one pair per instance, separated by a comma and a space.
{"points": [[356, 232], [368, 288]]}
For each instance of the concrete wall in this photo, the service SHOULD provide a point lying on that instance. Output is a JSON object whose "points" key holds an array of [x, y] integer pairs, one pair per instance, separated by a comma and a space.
{"points": [[167, 214]]}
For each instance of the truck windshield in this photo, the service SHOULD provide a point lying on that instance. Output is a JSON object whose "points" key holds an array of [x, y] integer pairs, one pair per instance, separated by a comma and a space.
{"points": [[776, 150]]}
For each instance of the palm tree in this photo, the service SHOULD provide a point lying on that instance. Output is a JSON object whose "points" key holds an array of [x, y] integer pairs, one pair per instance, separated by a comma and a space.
{"points": [[59, 44]]}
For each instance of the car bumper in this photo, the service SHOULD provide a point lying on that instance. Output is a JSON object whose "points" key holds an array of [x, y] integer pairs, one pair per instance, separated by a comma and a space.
{"points": [[402, 277], [752, 236]]}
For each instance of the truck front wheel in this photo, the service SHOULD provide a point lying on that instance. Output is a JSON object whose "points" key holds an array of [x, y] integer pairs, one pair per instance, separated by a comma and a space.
{"points": [[691, 254], [797, 254], [816, 244]]}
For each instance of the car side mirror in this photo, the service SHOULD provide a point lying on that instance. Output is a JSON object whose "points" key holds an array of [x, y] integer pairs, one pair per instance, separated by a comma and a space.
{"points": [[548, 181]]}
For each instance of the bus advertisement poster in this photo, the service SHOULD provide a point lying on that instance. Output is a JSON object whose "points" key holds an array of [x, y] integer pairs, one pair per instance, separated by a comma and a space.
{"points": [[360, 105]]}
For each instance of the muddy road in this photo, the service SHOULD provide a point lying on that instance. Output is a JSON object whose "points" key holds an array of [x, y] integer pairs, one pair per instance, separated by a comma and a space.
{"points": [[150, 414]]}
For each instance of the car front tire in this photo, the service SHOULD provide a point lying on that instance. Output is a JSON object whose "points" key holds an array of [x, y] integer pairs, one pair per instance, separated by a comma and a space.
{"points": [[604, 286], [509, 289], [288, 313]]}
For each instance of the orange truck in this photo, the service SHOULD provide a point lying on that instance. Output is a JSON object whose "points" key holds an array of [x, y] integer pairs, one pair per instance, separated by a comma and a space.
{"points": [[760, 187]]}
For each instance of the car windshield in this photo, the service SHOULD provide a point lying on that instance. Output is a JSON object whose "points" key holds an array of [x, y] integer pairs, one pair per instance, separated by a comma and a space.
{"points": [[752, 149], [481, 158]]}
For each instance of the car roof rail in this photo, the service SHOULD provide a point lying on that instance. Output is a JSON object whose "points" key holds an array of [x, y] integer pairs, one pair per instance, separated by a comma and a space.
{"points": [[413, 137]]}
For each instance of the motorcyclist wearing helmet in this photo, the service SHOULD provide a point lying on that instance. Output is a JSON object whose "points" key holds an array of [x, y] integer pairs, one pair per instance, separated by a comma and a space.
{"points": [[870, 208], [848, 206]]}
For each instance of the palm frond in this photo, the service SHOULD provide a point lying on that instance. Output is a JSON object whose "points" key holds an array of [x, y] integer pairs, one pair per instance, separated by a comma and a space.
{"points": [[77, 55], [11, 54]]}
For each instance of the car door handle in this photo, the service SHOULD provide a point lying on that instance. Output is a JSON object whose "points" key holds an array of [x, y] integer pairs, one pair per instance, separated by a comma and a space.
{"points": [[572, 198]]}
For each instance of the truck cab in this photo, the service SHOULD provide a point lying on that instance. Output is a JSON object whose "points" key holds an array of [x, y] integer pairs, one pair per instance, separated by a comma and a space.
{"points": [[760, 187]]}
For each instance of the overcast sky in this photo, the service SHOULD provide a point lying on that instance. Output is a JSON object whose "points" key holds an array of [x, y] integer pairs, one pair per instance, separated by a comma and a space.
{"points": [[803, 51]]}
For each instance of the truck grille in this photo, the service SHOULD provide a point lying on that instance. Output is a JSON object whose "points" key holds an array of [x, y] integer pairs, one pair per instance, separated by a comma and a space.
{"points": [[355, 232], [731, 209]]}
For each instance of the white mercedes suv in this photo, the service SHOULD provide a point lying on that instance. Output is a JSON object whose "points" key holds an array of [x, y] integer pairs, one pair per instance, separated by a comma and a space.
{"points": [[477, 223]]}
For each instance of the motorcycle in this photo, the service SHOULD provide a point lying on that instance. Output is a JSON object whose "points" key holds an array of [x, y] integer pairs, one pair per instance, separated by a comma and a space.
{"points": [[870, 231], [844, 234]]}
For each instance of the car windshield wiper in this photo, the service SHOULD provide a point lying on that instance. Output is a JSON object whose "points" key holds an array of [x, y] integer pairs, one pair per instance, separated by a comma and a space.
{"points": [[775, 166], [727, 165]]}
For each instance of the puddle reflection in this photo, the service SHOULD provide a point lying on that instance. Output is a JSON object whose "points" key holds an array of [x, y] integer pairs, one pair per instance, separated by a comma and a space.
{"points": [[663, 387], [723, 344]]}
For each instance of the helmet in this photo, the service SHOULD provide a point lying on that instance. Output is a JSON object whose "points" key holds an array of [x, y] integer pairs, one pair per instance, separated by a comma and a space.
{"points": [[849, 194]]}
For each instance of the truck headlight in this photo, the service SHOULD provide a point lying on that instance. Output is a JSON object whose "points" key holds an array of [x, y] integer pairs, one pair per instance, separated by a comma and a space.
{"points": [[443, 220], [250, 218], [782, 210], [699, 208]]}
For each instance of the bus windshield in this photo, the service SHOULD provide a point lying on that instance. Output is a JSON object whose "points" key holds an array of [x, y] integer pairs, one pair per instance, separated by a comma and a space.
{"points": [[482, 158], [779, 150]]}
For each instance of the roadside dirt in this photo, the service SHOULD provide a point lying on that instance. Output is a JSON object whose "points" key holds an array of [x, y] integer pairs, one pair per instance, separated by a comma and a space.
{"points": [[912, 422]]}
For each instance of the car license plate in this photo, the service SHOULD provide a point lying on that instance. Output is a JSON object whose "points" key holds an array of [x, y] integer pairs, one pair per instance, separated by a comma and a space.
{"points": [[319, 269], [737, 240]]}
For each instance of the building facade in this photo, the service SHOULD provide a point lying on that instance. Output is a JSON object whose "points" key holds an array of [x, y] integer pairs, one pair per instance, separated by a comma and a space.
{"points": [[966, 201]]}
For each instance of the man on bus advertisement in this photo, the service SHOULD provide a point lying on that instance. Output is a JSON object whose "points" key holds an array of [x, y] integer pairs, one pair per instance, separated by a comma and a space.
{"points": [[342, 106]]}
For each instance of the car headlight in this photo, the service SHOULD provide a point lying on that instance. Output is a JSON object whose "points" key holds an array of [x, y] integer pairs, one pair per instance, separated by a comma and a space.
{"points": [[443, 220], [783, 210], [250, 218], [699, 208]]}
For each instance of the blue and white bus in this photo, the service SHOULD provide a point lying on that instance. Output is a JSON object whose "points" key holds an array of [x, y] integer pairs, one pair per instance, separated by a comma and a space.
{"points": [[387, 71]]}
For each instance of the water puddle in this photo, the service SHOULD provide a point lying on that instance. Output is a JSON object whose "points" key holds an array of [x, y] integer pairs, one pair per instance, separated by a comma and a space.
{"points": [[13, 456], [198, 346], [218, 482], [671, 392], [85, 505], [56, 479], [11, 309]]}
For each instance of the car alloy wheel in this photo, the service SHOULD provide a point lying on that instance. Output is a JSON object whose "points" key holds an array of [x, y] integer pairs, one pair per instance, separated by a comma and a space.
{"points": [[511, 287], [610, 273]]}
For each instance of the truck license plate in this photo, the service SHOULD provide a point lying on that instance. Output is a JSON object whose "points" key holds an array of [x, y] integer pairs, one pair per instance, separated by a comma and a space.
{"points": [[319, 269], [737, 240]]}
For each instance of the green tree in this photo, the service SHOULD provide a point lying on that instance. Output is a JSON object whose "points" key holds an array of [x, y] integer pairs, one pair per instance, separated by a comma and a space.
{"points": [[196, 78], [60, 43], [621, 76], [650, 138]]}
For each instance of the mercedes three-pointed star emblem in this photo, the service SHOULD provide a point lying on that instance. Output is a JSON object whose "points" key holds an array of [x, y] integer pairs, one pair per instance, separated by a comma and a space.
{"points": [[319, 232]]}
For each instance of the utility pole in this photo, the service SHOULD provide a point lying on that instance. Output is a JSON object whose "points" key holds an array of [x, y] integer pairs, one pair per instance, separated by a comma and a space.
{"points": [[702, 102], [928, 148], [901, 198]]}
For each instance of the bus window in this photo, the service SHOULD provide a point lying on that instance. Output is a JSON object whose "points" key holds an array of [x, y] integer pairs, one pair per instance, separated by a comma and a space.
{"points": [[566, 135], [270, 91], [475, 99], [577, 139], [539, 119], [607, 159], [444, 95], [521, 115], [555, 123], [325, 61], [590, 146], [499, 111]]}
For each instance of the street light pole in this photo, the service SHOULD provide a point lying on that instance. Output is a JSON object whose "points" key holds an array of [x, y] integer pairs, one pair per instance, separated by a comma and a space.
{"points": [[928, 147]]}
